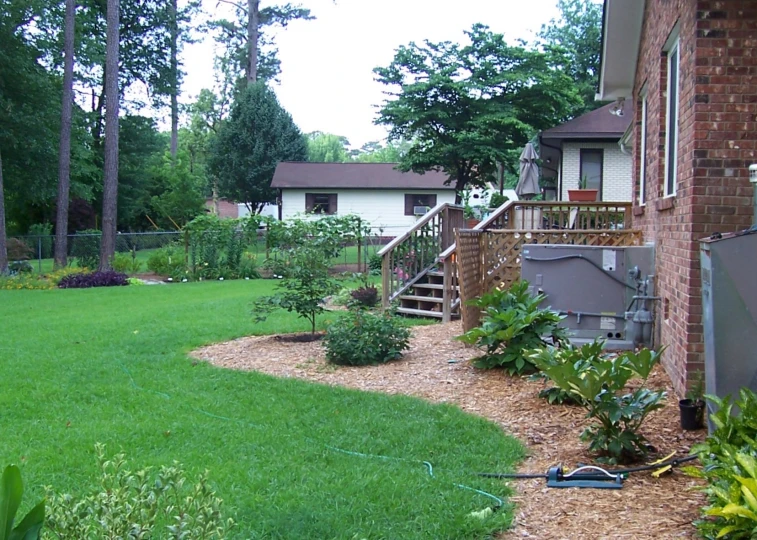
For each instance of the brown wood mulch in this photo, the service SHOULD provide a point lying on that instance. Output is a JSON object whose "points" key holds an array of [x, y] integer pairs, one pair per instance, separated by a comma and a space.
{"points": [[645, 508]]}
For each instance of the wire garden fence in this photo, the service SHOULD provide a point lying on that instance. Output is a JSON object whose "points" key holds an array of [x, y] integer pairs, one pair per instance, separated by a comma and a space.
{"points": [[35, 252]]}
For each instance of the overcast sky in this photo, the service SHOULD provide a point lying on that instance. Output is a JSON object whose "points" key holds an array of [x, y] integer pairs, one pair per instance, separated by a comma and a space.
{"points": [[326, 80]]}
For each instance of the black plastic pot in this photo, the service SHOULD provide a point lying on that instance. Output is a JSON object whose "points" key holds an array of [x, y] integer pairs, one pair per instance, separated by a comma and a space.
{"points": [[692, 414]]}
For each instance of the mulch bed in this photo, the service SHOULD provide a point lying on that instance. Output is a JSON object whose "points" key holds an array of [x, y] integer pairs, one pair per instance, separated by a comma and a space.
{"points": [[437, 369]]}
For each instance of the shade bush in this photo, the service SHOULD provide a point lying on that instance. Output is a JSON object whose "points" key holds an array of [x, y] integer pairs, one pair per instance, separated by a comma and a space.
{"points": [[598, 381], [85, 247], [126, 263], [512, 323], [366, 297], [362, 338], [108, 278]]}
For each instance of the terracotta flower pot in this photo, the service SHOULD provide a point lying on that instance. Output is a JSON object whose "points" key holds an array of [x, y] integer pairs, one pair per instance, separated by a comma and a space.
{"points": [[471, 222], [582, 195]]}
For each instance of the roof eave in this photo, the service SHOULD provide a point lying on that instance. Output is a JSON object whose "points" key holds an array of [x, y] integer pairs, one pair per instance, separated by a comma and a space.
{"points": [[621, 38]]}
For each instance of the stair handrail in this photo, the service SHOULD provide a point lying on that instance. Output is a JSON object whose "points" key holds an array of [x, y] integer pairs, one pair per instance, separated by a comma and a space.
{"points": [[440, 221]]}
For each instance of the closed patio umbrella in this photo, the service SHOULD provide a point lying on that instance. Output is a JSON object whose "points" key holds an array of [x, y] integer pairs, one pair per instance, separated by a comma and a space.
{"points": [[528, 181]]}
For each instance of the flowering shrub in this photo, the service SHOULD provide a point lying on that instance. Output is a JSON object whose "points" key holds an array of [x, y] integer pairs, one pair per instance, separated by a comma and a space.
{"points": [[94, 279]]}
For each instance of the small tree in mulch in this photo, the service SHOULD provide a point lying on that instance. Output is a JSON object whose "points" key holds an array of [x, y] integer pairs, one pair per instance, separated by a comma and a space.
{"points": [[305, 285]]}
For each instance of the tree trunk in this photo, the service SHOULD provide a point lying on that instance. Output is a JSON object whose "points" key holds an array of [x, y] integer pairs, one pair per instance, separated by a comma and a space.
{"points": [[110, 182], [64, 157], [3, 246], [253, 23], [174, 81]]}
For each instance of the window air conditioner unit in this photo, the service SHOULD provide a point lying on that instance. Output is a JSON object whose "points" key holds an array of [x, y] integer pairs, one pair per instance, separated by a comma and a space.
{"points": [[420, 210]]}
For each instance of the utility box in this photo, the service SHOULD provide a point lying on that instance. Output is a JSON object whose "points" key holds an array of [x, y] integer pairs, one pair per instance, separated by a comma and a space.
{"points": [[729, 302], [593, 286]]}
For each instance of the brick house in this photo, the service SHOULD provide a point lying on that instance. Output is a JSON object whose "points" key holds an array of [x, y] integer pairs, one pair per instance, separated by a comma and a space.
{"points": [[689, 69], [587, 146]]}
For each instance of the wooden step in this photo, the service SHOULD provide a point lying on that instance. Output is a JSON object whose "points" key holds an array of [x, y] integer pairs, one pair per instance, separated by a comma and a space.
{"points": [[436, 286], [420, 312], [415, 298], [437, 273]]}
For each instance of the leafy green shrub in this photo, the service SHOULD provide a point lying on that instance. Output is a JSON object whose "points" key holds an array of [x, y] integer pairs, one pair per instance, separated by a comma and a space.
{"points": [[597, 381], [41, 234], [729, 456], [139, 504], [126, 263], [512, 323], [11, 492], [304, 288], [497, 200], [85, 247], [248, 266], [366, 297], [167, 260], [107, 278], [374, 262], [362, 338]]}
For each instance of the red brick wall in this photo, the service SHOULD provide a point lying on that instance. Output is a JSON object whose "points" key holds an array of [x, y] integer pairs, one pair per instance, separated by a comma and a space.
{"points": [[226, 209], [717, 135]]}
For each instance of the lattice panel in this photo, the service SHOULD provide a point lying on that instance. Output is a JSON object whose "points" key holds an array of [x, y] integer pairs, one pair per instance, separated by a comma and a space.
{"points": [[469, 273], [502, 249]]}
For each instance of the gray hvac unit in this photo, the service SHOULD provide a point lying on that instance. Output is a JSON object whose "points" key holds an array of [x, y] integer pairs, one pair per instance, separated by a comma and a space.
{"points": [[605, 292], [729, 301]]}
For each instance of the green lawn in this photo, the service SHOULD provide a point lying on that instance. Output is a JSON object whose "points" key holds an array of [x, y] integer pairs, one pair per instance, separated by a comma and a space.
{"points": [[110, 365]]}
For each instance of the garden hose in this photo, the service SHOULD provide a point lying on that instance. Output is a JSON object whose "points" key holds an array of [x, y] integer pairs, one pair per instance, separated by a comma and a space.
{"points": [[622, 472]]}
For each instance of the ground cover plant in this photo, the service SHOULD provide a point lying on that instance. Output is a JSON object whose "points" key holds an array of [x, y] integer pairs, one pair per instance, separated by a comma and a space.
{"points": [[363, 338], [109, 365]]}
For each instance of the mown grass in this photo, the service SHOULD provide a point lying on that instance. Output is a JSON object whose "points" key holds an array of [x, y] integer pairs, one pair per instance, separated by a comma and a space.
{"points": [[110, 365]]}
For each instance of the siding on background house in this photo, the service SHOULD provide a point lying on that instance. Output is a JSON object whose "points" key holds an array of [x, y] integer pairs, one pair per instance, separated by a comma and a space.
{"points": [[616, 170], [381, 208], [717, 140]]}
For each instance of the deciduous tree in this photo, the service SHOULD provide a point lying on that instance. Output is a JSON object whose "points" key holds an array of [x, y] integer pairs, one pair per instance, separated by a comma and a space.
{"points": [[577, 38], [326, 147], [466, 107]]}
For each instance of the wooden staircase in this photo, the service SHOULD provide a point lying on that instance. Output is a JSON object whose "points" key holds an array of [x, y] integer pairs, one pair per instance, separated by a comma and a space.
{"points": [[419, 269], [425, 297]]}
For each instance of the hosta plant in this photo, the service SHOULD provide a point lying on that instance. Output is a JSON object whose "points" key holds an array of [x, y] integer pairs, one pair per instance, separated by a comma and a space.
{"points": [[599, 383], [728, 457], [11, 492], [512, 323]]}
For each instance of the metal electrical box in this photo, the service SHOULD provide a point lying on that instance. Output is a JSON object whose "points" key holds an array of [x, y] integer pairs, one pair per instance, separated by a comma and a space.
{"points": [[593, 286], [729, 302]]}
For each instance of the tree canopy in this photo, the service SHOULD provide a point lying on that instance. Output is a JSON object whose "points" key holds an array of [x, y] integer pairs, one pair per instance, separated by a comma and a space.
{"points": [[467, 107], [577, 37], [257, 136]]}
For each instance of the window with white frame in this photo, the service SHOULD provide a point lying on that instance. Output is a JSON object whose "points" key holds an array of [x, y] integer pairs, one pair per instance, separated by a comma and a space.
{"points": [[671, 128], [643, 151]]}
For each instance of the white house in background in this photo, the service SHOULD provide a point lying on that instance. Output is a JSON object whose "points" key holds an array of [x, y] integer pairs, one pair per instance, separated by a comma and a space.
{"points": [[389, 200], [589, 146], [269, 210]]}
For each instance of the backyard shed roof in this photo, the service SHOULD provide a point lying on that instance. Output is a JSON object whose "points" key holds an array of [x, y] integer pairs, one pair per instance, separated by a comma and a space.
{"points": [[301, 174], [596, 124]]}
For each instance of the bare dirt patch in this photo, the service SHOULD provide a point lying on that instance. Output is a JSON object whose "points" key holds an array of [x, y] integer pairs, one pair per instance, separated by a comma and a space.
{"points": [[438, 369]]}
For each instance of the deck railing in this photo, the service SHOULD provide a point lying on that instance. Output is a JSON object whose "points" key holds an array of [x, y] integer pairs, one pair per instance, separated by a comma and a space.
{"points": [[406, 257], [431, 241]]}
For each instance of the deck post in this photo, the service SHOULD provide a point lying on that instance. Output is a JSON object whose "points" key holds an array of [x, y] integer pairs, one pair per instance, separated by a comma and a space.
{"points": [[385, 280], [447, 291]]}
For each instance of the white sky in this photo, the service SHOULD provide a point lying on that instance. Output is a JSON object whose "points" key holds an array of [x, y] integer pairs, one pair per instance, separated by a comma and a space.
{"points": [[327, 83]]}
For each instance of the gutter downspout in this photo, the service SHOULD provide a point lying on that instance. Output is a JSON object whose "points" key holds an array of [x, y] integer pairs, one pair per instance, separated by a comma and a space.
{"points": [[559, 179]]}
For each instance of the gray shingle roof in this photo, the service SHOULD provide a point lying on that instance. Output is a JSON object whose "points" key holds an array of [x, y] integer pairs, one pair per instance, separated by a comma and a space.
{"points": [[301, 174]]}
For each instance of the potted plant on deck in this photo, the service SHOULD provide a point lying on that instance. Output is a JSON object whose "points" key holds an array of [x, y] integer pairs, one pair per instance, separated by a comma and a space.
{"points": [[582, 194], [692, 408]]}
